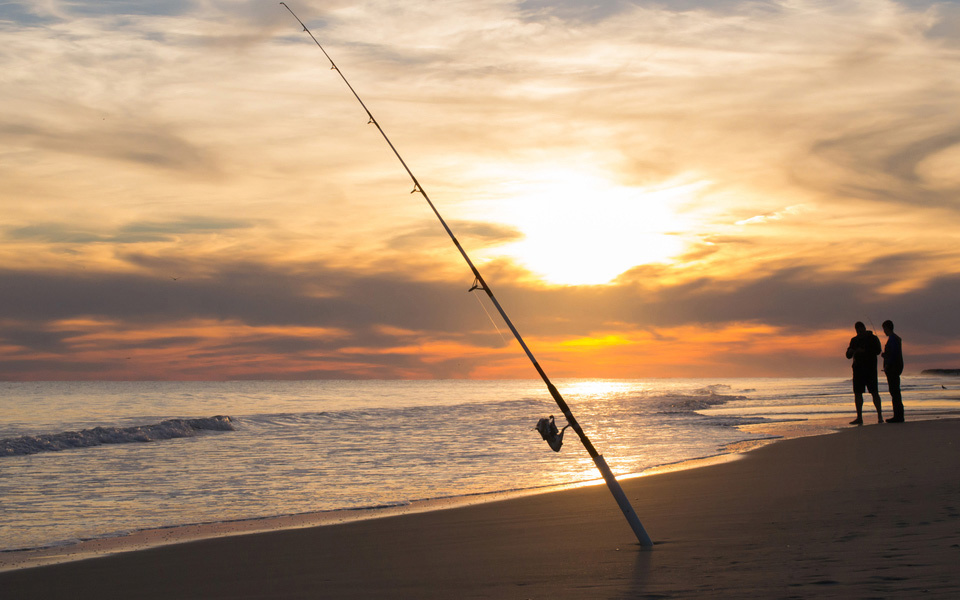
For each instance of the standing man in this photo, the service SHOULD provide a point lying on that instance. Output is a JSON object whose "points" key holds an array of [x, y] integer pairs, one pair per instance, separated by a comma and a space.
{"points": [[864, 349], [892, 368]]}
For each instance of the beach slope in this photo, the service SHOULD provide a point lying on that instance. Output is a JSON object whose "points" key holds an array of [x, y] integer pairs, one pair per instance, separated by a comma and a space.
{"points": [[872, 511]]}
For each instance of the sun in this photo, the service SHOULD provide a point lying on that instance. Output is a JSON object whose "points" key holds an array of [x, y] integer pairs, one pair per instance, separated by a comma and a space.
{"points": [[583, 229]]}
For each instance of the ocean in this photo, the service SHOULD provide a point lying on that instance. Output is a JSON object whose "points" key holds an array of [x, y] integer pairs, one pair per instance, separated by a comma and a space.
{"points": [[89, 460]]}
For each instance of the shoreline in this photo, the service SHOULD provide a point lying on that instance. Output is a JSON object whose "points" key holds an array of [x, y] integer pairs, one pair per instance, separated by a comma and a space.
{"points": [[867, 512], [154, 537], [145, 539]]}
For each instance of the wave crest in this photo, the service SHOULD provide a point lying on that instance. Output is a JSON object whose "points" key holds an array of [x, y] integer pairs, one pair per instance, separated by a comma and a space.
{"points": [[86, 438], [703, 398]]}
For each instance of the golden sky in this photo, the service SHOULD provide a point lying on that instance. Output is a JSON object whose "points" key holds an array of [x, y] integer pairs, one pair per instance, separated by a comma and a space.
{"points": [[692, 188]]}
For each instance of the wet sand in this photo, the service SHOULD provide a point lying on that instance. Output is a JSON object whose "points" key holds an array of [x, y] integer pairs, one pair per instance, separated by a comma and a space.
{"points": [[872, 511]]}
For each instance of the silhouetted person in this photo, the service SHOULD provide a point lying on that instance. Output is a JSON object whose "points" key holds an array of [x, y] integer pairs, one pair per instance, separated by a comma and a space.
{"points": [[864, 349], [892, 368]]}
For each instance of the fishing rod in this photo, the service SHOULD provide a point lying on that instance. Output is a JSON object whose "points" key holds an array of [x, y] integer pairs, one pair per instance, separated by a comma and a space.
{"points": [[553, 438]]}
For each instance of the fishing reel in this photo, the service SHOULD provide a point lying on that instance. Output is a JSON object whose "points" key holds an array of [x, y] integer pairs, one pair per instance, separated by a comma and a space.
{"points": [[549, 432]]}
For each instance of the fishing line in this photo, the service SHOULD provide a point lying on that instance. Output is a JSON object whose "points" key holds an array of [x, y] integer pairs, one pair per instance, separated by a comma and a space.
{"points": [[492, 322], [479, 283]]}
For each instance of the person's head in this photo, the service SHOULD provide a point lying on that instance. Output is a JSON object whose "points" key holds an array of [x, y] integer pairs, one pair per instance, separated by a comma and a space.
{"points": [[888, 327], [860, 327]]}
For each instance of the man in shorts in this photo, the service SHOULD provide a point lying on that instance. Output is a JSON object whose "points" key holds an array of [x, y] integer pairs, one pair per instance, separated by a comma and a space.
{"points": [[864, 349]]}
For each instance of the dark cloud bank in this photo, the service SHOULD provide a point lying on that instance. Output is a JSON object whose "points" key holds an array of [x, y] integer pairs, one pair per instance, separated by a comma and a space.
{"points": [[380, 311]]}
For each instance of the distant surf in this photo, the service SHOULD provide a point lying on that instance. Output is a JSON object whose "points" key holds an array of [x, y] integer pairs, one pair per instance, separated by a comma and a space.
{"points": [[86, 438]]}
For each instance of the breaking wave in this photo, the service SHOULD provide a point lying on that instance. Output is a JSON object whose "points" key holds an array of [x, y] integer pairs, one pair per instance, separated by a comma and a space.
{"points": [[703, 398], [86, 438]]}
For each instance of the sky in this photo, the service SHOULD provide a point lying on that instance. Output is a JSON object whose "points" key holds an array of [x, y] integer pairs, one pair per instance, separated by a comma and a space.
{"points": [[689, 188]]}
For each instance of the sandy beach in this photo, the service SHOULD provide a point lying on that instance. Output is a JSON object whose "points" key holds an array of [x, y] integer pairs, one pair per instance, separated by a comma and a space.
{"points": [[870, 512]]}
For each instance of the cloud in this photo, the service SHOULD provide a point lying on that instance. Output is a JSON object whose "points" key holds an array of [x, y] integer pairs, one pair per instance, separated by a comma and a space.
{"points": [[86, 8], [368, 323], [138, 232], [131, 143], [776, 216], [884, 164], [571, 10], [36, 340], [256, 294], [188, 225], [482, 234], [20, 13]]}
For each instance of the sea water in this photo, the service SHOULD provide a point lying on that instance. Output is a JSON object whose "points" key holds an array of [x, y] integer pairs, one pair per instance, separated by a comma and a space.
{"points": [[85, 460]]}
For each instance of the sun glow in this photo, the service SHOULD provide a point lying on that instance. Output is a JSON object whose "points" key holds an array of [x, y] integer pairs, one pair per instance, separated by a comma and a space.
{"points": [[582, 229]]}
